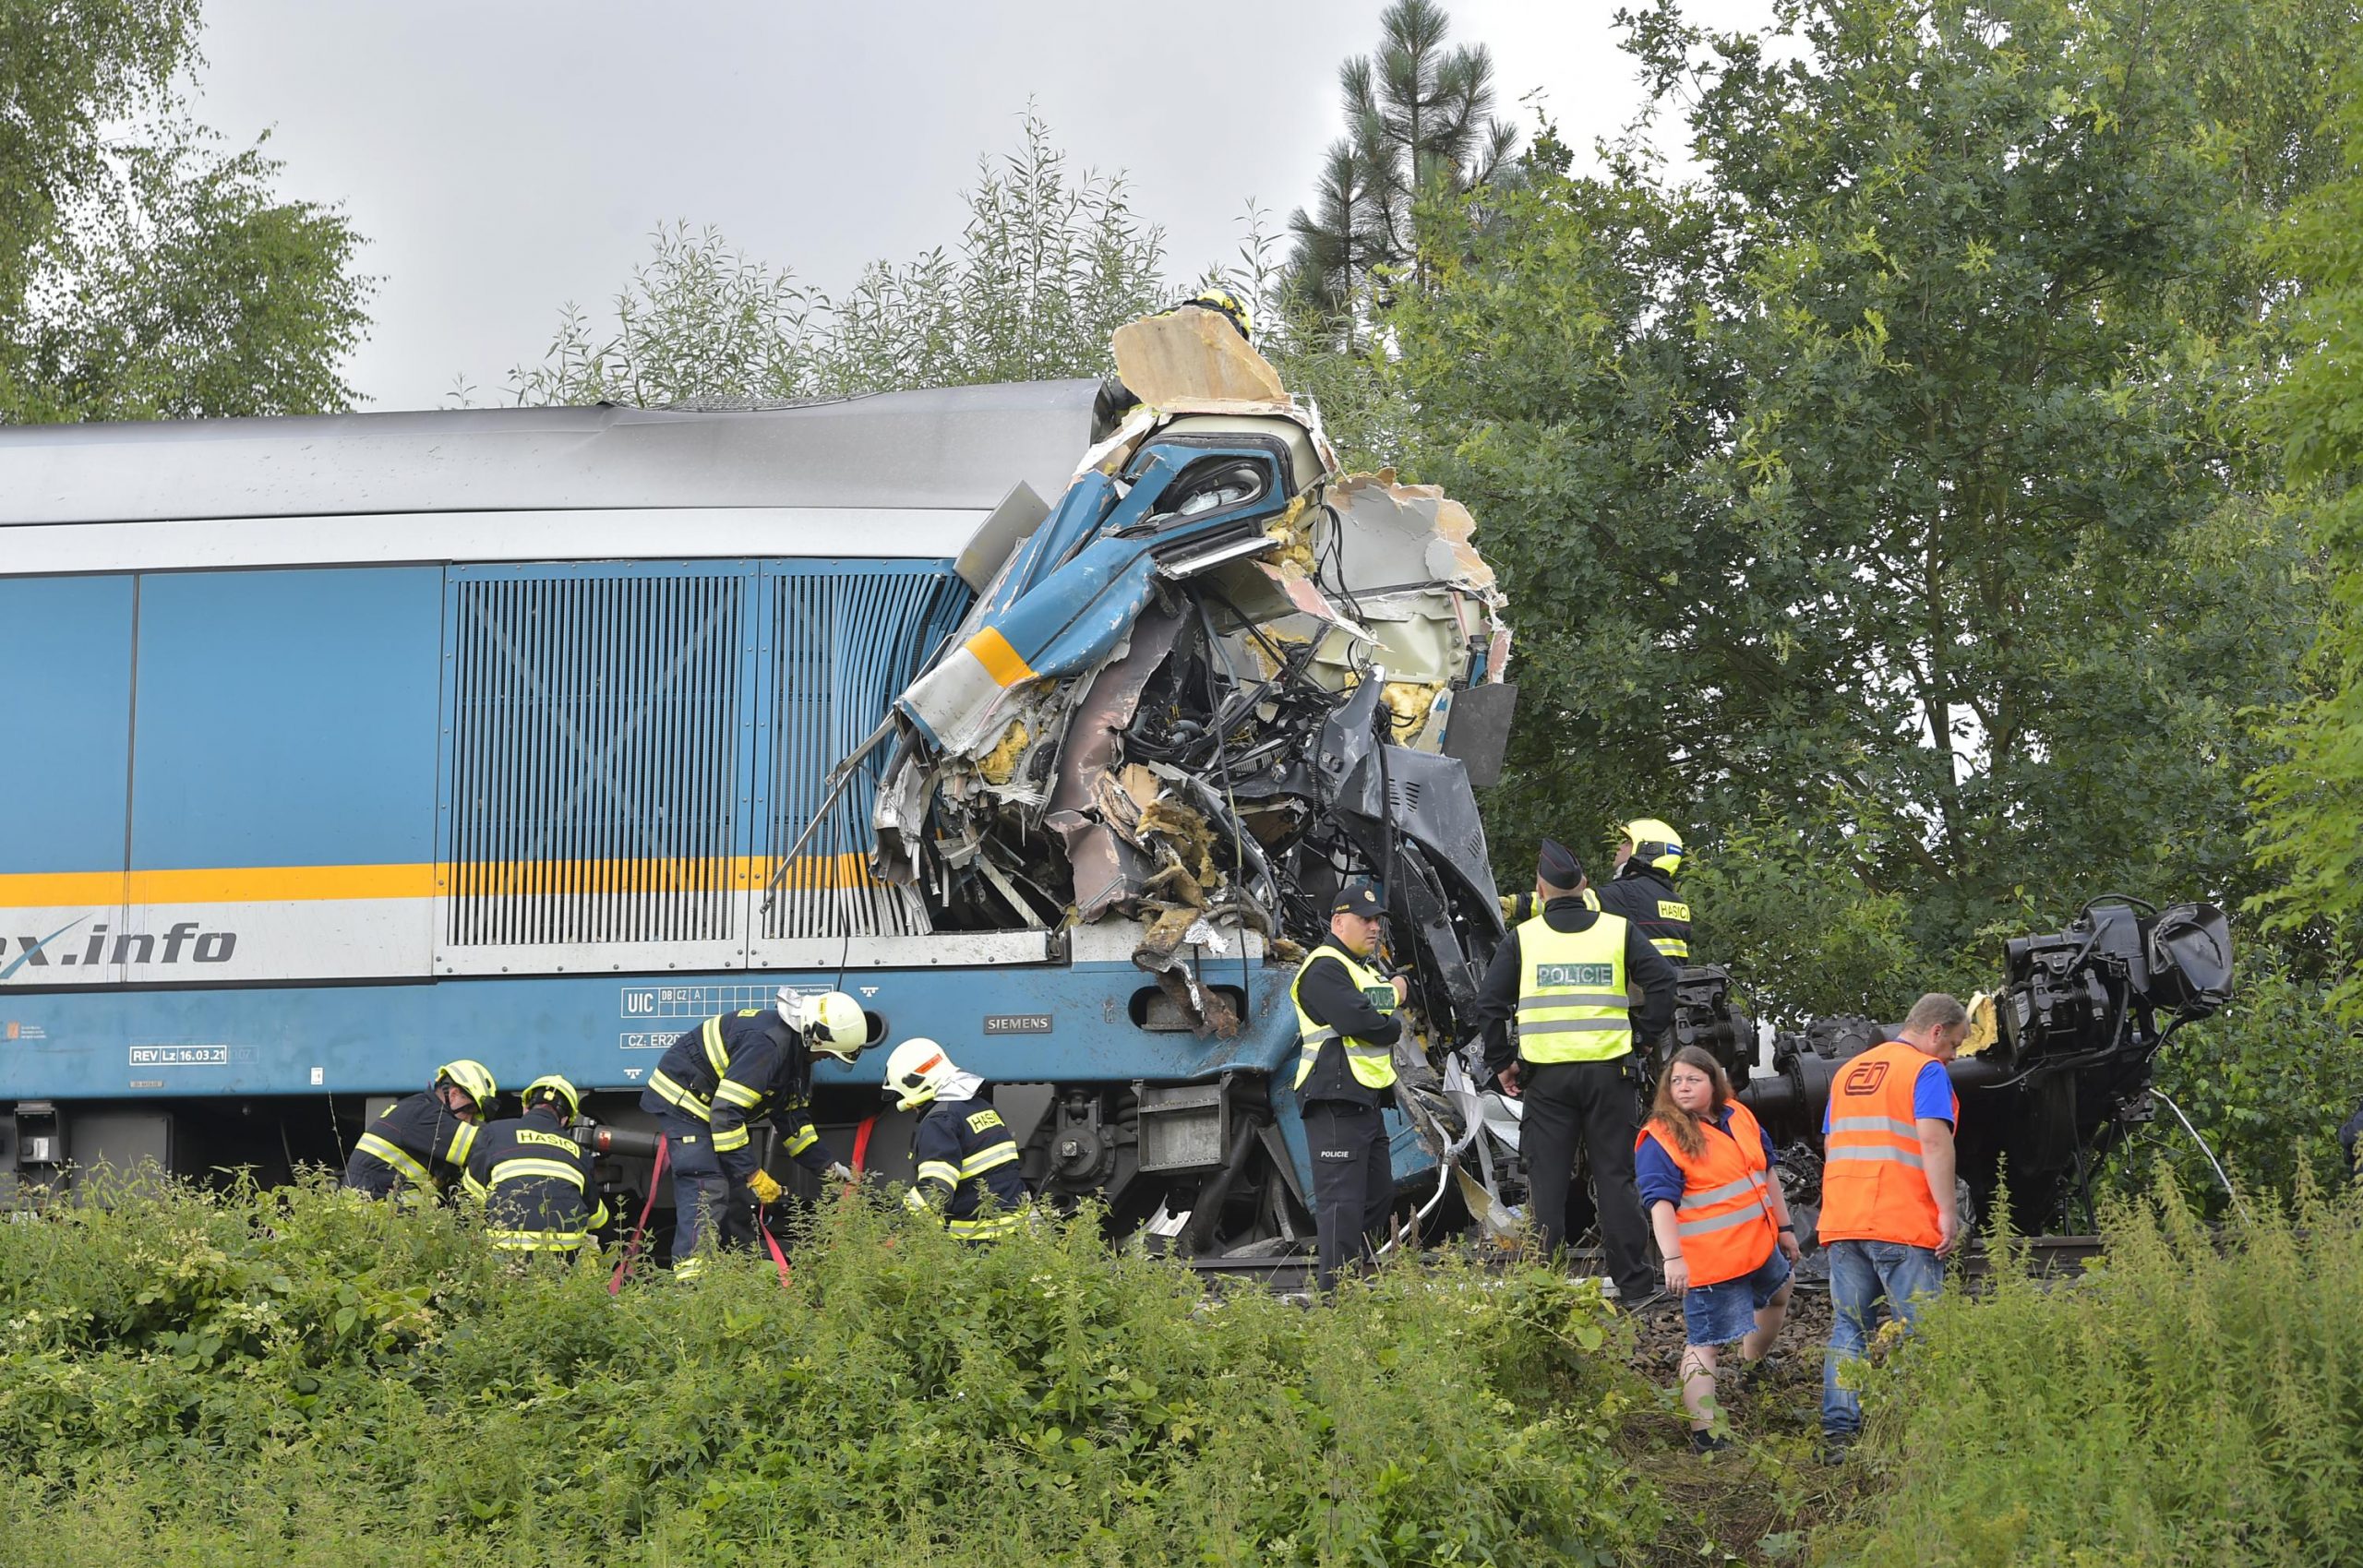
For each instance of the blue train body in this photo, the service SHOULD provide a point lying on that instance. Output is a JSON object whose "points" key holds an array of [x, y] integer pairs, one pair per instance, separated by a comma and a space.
{"points": [[340, 748]]}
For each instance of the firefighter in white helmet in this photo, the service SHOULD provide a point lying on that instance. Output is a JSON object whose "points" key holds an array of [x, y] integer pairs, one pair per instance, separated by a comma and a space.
{"points": [[967, 1161], [720, 1077]]}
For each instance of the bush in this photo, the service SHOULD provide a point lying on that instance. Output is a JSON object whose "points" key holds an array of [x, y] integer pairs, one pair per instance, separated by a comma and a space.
{"points": [[2267, 1082], [296, 1377], [2193, 1401]]}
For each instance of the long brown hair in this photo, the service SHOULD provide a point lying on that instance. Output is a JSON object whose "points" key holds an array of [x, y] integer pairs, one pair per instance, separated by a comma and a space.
{"points": [[1680, 1123]]}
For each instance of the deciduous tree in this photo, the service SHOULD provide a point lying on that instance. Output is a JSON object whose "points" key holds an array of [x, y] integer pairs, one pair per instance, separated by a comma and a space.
{"points": [[1877, 502], [146, 270]]}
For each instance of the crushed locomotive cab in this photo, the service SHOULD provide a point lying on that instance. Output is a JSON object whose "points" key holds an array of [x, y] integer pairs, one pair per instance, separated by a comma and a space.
{"points": [[1168, 703]]}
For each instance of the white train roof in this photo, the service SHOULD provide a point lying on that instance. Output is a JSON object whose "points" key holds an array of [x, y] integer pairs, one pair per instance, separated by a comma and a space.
{"points": [[895, 475]]}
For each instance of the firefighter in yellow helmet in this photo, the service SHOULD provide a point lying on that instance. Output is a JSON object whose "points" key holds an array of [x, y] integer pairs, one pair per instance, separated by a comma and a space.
{"points": [[418, 1146], [1642, 889], [539, 1187]]}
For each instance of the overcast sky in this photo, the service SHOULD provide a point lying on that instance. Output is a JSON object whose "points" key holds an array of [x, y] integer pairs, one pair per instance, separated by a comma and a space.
{"points": [[505, 156]]}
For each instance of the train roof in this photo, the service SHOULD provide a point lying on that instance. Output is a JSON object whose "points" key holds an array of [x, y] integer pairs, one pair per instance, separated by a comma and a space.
{"points": [[894, 473]]}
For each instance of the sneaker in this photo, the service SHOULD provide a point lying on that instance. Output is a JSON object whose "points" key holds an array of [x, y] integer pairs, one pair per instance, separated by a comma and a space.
{"points": [[1753, 1374], [1708, 1440], [1651, 1304], [1834, 1447]]}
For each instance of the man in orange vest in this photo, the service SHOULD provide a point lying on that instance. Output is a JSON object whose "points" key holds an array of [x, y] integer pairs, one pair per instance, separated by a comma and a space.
{"points": [[1887, 1211]]}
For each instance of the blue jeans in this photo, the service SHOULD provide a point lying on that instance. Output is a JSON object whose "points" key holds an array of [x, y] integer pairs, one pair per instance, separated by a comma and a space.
{"points": [[1860, 1274]]}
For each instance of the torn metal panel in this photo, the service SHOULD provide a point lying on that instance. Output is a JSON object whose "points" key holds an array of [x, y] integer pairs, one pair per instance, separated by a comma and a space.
{"points": [[1217, 681]]}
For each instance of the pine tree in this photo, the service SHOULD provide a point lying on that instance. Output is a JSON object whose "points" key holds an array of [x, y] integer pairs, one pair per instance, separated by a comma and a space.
{"points": [[1419, 123]]}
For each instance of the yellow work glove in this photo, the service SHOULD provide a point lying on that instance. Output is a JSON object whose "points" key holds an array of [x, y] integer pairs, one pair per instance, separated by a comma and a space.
{"points": [[761, 1185]]}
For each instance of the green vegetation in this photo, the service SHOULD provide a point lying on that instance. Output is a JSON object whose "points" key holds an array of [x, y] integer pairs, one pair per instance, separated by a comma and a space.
{"points": [[1050, 262], [147, 272], [2312, 801], [2192, 1401], [1891, 470], [300, 1378]]}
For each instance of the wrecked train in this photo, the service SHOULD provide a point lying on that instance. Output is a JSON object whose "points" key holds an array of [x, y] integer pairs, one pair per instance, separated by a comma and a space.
{"points": [[341, 746]]}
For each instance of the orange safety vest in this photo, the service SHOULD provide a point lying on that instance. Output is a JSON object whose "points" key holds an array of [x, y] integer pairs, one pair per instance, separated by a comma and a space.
{"points": [[1725, 1219], [1873, 1184]]}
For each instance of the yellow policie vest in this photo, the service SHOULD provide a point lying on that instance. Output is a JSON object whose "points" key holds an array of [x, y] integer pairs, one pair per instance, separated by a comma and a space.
{"points": [[1571, 1001], [1372, 1066]]}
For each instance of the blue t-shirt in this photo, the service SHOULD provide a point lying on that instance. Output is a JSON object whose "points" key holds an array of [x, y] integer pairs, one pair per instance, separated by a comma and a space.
{"points": [[1932, 1097], [1661, 1178]]}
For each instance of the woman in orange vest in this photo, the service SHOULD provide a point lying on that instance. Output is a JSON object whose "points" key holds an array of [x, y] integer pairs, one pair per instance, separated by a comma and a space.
{"points": [[1705, 1169]]}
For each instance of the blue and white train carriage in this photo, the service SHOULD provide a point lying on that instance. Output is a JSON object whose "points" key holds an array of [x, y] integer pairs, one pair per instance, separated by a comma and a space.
{"points": [[332, 748]]}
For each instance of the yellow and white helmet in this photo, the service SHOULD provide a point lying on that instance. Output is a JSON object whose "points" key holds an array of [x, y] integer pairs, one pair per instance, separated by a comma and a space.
{"points": [[475, 1079], [551, 1086], [832, 1023], [915, 1069], [1655, 845]]}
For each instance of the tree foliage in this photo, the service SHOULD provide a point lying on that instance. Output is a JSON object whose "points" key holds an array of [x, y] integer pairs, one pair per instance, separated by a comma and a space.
{"points": [[2313, 800], [145, 270], [1877, 502], [1050, 262], [1419, 125]]}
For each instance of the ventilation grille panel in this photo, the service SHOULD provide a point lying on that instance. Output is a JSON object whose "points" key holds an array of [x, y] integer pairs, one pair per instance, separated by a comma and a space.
{"points": [[595, 757], [847, 642]]}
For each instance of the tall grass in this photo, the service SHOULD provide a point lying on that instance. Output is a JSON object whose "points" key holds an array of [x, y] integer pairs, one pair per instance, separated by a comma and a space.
{"points": [[2198, 1399], [295, 1377]]}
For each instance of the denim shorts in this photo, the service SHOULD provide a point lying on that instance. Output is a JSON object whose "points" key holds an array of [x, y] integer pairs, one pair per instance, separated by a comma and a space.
{"points": [[1717, 1314]]}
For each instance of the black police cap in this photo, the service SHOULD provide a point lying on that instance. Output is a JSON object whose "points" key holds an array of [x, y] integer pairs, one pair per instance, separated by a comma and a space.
{"points": [[1557, 865], [1359, 898]]}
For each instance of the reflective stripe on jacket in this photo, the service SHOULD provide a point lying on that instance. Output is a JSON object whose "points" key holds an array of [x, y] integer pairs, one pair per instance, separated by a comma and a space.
{"points": [[733, 1069], [1571, 1001], [1724, 1220], [536, 1184], [966, 1155], [1874, 1182], [1372, 1066], [405, 1142]]}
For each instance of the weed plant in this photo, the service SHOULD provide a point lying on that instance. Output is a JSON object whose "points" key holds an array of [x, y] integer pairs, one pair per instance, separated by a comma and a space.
{"points": [[2196, 1399], [299, 1377]]}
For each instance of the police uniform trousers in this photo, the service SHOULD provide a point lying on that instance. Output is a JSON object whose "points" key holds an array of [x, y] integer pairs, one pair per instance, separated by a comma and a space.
{"points": [[1353, 1183], [706, 1208], [1596, 1106]]}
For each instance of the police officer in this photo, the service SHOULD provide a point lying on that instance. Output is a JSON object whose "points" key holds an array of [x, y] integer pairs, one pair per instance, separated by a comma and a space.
{"points": [[1347, 1026], [1642, 890], [421, 1143], [1563, 973], [539, 1187], [720, 1077], [965, 1152]]}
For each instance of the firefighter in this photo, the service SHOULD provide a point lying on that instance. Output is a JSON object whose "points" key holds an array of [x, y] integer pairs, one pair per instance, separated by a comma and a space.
{"points": [[965, 1152], [722, 1076], [1562, 974], [1346, 1026], [538, 1186], [1642, 888], [1889, 1209], [420, 1145], [1704, 1166]]}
